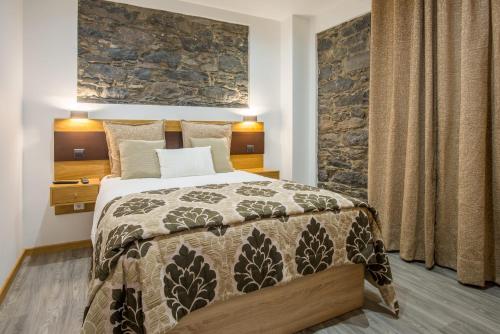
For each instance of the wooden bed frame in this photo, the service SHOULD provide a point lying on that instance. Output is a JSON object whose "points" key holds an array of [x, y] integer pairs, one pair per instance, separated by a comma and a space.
{"points": [[286, 308]]}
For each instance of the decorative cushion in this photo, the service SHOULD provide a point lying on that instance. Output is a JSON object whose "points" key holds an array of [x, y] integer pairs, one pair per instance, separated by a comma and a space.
{"points": [[117, 132], [185, 162], [220, 152], [205, 130], [138, 159]]}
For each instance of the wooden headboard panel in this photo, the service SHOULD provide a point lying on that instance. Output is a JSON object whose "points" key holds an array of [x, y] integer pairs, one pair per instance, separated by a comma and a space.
{"points": [[70, 134]]}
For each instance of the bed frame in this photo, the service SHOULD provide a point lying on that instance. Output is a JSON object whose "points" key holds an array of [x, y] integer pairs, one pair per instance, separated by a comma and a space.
{"points": [[284, 309], [287, 308]]}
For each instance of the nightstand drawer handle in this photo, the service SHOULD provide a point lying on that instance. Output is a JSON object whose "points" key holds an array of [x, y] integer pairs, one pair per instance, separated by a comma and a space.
{"points": [[75, 195]]}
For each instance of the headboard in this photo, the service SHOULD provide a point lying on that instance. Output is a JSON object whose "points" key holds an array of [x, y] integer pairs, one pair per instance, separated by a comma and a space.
{"points": [[70, 134]]}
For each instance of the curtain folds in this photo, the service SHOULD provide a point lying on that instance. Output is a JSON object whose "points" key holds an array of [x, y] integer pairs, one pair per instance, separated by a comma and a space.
{"points": [[434, 147]]}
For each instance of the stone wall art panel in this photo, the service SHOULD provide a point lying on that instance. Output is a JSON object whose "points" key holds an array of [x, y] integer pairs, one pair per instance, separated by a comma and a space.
{"points": [[134, 55], [343, 91]]}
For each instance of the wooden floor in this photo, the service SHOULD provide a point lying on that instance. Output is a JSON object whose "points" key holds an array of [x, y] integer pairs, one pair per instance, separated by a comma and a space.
{"points": [[48, 296]]}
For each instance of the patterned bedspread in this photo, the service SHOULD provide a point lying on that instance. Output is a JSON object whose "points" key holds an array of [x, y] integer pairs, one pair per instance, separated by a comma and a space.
{"points": [[160, 255]]}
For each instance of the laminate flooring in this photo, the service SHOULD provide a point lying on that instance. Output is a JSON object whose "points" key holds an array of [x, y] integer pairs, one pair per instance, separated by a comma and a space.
{"points": [[48, 296]]}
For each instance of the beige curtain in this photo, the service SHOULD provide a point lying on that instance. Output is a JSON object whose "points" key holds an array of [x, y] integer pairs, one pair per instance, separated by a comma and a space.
{"points": [[434, 143]]}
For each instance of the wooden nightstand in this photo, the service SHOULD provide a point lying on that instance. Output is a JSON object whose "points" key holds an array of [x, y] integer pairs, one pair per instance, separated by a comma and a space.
{"points": [[66, 198], [271, 173]]}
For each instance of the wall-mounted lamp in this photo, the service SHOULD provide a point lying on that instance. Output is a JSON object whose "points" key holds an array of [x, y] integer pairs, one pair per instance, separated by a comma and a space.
{"points": [[79, 115], [249, 118]]}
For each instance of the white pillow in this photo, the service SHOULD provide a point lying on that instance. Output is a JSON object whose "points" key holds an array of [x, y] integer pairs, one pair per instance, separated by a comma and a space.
{"points": [[185, 162]]}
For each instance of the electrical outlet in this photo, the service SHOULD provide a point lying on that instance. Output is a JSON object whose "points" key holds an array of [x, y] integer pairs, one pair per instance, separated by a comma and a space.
{"points": [[250, 148], [78, 206], [79, 153]]}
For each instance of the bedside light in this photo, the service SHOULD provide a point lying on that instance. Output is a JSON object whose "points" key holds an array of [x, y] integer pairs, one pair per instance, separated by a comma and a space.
{"points": [[249, 118], [79, 115]]}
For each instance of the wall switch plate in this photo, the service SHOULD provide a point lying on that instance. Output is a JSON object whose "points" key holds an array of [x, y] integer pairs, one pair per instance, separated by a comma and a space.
{"points": [[250, 148], [79, 206], [79, 153]]}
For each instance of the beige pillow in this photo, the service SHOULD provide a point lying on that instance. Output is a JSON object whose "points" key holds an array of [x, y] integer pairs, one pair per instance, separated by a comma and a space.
{"points": [[138, 159], [116, 133], [205, 130], [220, 152]]}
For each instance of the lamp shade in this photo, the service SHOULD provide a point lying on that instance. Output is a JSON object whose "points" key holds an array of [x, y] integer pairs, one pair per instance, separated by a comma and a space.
{"points": [[79, 115], [249, 118]]}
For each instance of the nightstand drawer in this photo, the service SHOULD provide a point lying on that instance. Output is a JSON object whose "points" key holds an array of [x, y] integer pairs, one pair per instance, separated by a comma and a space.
{"points": [[273, 174], [70, 194]]}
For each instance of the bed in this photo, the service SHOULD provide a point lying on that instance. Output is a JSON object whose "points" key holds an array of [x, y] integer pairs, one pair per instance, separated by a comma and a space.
{"points": [[232, 252], [224, 253]]}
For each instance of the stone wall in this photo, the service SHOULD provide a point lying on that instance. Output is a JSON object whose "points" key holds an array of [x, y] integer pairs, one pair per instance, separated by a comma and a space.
{"points": [[129, 54], [343, 85]]}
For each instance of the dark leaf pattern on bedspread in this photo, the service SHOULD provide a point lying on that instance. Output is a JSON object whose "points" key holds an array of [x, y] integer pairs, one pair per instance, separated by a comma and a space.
{"points": [[189, 283], [185, 218], [380, 269], [360, 241], [252, 191], [203, 197], [127, 315], [315, 249], [160, 191], [213, 186], [258, 183], [137, 206], [251, 210], [106, 208], [363, 248], [138, 249], [316, 203], [299, 187], [117, 239], [259, 265]]}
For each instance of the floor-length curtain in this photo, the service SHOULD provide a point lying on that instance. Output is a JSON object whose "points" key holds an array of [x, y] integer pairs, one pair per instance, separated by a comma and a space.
{"points": [[434, 129]]}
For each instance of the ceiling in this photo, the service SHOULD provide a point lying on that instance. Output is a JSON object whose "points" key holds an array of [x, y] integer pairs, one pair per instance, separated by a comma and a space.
{"points": [[271, 9]]}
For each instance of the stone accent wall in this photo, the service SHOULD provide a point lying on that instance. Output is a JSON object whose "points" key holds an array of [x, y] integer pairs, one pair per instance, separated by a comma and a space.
{"points": [[343, 85], [129, 54]]}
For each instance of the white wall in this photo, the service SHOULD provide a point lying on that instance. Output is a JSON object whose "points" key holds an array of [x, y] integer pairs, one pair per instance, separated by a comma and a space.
{"points": [[286, 133], [303, 115], [343, 11], [10, 133], [50, 81], [297, 113]]}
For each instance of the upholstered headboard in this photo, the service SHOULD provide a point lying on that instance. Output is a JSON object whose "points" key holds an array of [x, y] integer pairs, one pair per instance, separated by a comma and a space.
{"points": [[247, 146]]}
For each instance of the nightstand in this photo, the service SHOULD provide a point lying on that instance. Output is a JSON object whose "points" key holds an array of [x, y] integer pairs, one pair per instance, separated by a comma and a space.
{"points": [[74, 198], [271, 173]]}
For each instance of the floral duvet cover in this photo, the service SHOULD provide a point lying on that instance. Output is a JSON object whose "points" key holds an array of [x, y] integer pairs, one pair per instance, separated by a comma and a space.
{"points": [[160, 255]]}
